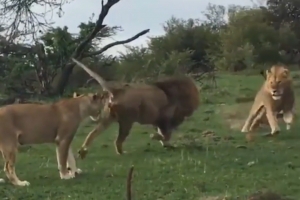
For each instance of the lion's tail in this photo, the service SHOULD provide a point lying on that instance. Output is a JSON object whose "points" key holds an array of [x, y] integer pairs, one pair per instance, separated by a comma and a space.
{"points": [[184, 93]]}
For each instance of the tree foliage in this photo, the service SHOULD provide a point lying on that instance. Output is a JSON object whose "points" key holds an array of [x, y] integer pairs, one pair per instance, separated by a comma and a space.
{"points": [[49, 57]]}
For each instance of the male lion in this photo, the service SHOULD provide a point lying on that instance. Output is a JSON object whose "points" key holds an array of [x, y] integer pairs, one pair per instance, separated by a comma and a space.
{"points": [[275, 96], [164, 104], [23, 124]]}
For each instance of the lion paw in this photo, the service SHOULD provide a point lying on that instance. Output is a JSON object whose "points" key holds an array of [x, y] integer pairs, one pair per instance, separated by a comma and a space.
{"points": [[245, 130], [67, 175], [78, 171], [165, 143], [82, 152], [121, 152], [275, 131], [22, 183]]}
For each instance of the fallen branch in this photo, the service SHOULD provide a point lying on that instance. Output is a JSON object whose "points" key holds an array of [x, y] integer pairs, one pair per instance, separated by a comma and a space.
{"points": [[106, 47], [129, 180]]}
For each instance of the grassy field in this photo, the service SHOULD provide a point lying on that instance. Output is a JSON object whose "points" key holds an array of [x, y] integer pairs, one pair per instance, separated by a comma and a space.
{"points": [[211, 159]]}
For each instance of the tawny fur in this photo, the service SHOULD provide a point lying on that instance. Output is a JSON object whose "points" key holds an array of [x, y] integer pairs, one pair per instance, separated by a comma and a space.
{"points": [[164, 104], [274, 97], [24, 124]]}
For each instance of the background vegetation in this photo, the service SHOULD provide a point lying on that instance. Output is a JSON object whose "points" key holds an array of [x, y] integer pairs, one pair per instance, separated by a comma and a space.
{"points": [[232, 39], [227, 48]]}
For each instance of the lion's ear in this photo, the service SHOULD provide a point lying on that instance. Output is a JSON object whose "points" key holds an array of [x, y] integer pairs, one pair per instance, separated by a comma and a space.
{"points": [[286, 72], [267, 73]]}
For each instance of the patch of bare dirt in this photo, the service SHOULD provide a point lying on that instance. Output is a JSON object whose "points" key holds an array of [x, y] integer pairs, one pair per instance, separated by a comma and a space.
{"points": [[267, 195], [235, 115]]}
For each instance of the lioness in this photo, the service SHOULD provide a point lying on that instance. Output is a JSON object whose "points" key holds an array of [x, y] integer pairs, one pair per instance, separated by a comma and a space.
{"points": [[164, 104], [23, 124], [276, 95]]}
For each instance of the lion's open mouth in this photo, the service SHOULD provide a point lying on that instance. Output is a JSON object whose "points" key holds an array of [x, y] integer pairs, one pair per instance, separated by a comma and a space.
{"points": [[276, 96], [96, 116]]}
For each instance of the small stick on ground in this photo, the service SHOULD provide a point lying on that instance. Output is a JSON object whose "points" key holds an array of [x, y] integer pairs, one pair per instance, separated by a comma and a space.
{"points": [[129, 180]]}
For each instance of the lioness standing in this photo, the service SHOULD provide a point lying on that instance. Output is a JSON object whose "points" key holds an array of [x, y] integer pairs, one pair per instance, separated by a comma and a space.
{"points": [[275, 95], [23, 124]]}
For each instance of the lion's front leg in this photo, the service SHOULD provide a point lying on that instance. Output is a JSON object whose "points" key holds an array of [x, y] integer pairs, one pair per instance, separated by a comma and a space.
{"points": [[71, 163], [62, 158], [104, 124], [248, 123], [259, 119], [253, 117]]}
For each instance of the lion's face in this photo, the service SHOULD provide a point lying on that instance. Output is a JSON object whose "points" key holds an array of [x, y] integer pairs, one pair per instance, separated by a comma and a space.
{"points": [[94, 102], [277, 79]]}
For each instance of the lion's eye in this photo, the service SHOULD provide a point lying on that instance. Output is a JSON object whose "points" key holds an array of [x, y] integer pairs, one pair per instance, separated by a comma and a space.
{"points": [[279, 82]]}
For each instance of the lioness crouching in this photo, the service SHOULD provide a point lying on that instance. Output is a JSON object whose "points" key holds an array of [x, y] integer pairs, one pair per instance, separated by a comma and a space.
{"points": [[23, 124], [275, 96], [164, 104]]}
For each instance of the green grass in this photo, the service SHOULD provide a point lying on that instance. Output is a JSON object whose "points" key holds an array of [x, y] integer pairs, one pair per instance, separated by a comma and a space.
{"points": [[198, 167]]}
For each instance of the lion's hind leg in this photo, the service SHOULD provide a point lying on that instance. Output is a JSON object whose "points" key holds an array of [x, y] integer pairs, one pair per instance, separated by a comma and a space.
{"points": [[167, 133], [124, 130], [9, 156]]}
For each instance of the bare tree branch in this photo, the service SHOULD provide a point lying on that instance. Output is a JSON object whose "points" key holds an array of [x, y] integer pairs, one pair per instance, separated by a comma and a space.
{"points": [[98, 27], [106, 47], [23, 20], [78, 51], [129, 181]]}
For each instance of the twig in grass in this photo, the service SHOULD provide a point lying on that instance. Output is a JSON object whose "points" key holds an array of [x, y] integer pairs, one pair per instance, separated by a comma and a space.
{"points": [[129, 180]]}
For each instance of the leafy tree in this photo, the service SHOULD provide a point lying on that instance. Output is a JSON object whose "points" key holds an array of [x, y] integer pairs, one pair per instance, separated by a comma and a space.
{"points": [[142, 63], [215, 17], [249, 40], [82, 47], [185, 35], [285, 12]]}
